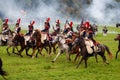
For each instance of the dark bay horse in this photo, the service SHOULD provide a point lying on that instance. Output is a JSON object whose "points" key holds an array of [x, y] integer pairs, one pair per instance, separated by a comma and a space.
{"points": [[117, 38], [85, 55]]}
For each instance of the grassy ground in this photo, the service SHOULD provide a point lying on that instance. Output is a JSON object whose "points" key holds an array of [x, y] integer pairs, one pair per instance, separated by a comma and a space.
{"points": [[42, 68]]}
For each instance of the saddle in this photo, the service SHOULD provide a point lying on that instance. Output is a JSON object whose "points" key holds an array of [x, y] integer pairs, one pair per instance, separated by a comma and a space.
{"points": [[91, 47], [4, 38]]}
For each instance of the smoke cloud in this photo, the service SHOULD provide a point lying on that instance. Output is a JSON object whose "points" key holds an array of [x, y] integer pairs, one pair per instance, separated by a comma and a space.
{"points": [[99, 11], [39, 11], [104, 11]]}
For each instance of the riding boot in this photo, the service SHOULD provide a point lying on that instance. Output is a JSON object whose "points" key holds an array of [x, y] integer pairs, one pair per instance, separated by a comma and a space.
{"points": [[6, 40], [93, 48], [27, 42], [45, 42]]}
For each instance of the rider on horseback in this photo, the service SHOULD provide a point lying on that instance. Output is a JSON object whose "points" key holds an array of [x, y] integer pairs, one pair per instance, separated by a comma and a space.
{"points": [[57, 28], [5, 29], [46, 26], [30, 31], [46, 31], [68, 25], [69, 36], [87, 33], [17, 30], [17, 27]]}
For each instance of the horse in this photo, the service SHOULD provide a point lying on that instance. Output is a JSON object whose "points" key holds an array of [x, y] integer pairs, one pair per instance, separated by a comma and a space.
{"points": [[4, 37], [85, 54], [2, 72], [117, 25], [7, 41], [63, 47], [44, 42], [19, 40], [39, 45], [10, 44], [117, 38]]}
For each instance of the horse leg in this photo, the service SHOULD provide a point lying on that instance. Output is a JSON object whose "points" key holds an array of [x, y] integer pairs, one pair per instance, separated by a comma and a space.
{"points": [[13, 50], [46, 49], [77, 56], [21, 50], [117, 54], [49, 50], [39, 51], [80, 61], [26, 50], [54, 50], [57, 56], [96, 57], [33, 52], [69, 54], [86, 58], [8, 50], [103, 58]]}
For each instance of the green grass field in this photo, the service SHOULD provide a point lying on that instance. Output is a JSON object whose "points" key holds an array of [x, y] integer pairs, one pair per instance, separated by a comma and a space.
{"points": [[42, 68]]}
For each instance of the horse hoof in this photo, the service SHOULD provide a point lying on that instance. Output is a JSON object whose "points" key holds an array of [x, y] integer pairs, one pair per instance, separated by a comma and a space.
{"points": [[21, 56], [33, 57], [52, 61]]}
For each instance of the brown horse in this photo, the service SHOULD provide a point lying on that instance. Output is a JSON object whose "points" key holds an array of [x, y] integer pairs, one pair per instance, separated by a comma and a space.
{"points": [[39, 45], [117, 39], [20, 39], [85, 55]]}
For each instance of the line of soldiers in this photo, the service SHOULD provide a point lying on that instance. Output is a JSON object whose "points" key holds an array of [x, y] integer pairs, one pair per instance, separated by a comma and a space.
{"points": [[85, 29]]}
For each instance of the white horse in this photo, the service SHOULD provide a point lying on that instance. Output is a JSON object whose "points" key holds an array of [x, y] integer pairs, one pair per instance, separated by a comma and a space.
{"points": [[62, 46]]}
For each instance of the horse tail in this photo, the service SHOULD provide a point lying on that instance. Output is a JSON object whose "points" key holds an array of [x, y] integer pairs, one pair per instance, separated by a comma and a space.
{"points": [[108, 51]]}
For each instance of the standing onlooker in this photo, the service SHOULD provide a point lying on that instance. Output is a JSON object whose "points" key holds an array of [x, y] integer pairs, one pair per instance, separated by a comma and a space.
{"points": [[104, 31]]}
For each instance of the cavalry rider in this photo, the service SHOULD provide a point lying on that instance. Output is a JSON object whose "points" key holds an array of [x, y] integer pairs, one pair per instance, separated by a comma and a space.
{"points": [[30, 28], [5, 29], [30, 31], [69, 36], [46, 31], [88, 33], [17, 27], [57, 28], [46, 26], [68, 25], [71, 26]]}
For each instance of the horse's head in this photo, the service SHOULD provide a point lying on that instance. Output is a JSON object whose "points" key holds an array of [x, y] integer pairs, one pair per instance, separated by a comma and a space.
{"points": [[36, 34], [79, 41], [56, 39], [117, 37], [59, 38]]}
